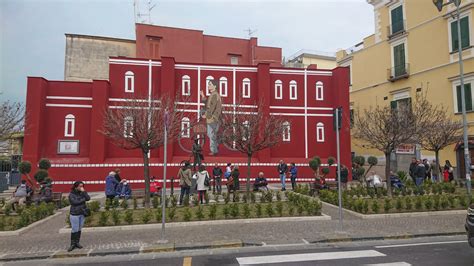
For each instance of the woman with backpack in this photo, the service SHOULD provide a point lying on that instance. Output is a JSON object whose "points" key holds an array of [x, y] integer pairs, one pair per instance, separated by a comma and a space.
{"points": [[202, 182]]}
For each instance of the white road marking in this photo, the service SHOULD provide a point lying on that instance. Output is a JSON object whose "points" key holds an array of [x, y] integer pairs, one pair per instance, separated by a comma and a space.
{"points": [[309, 257], [401, 263], [422, 244], [305, 241]]}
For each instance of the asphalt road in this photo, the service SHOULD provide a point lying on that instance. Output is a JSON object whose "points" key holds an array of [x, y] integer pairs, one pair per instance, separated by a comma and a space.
{"points": [[424, 251]]}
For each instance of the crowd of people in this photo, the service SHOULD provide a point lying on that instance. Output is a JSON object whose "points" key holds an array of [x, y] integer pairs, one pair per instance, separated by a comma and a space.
{"points": [[421, 170]]}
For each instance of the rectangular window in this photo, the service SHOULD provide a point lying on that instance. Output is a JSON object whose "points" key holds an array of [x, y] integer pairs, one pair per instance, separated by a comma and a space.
{"points": [[465, 42], [128, 128], [246, 90], [399, 60], [185, 128], [69, 128], [320, 134], [186, 87], [397, 19], [234, 60], [223, 85], [278, 91], [467, 95], [319, 92], [293, 92]]}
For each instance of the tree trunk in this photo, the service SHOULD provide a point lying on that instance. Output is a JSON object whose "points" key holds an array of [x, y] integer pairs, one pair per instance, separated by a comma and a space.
{"points": [[146, 170], [387, 174], [249, 159], [33, 183], [437, 165]]}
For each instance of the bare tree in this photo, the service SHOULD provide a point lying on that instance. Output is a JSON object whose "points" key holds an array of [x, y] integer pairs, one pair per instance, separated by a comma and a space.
{"points": [[12, 117], [250, 131], [140, 125], [441, 132]]}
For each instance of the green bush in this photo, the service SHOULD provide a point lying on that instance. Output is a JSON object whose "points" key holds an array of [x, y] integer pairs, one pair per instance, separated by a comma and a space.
{"points": [[94, 206], [146, 216], [155, 202], [124, 204], [44, 164], [399, 204], [206, 198], [325, 170], [128, 218], [444, 202], [269, 210], [226, 211], [186, 201], [199, 213], [247, 211], [174, 201], [263, 198], [41, 175], [279, 208], [213, 211], [236, 197], [216, 197], [253, 197], [171, 213], [245, 198], [291, 210], [372, 160], [24, 167], [408, 203], [452, 201], [226, 198], [104, 218], [418, 203], [436, 202], [2, 223], [108, 204], [331, 160], [269, 196], [135, 203], [234, 210], [315, 163], [375, 206], [300, 209], [115, 216], [365, 207], [8, 209], [258, 210], [462, 201], [115, 203], [387, 205], [278, 196], [360, 160], [158, 215], [187, 214], [25, 219], [428, 202]]}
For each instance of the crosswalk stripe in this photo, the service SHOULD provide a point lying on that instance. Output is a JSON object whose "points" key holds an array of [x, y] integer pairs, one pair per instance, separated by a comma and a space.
{"points": [[400, 263], [309, 257], [422, 244]]}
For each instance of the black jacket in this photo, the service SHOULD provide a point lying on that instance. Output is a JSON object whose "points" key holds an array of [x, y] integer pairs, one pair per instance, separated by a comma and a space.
{"points": [[282, 168], [413, 169], [217, 171], [78, 200], [420, 171]]}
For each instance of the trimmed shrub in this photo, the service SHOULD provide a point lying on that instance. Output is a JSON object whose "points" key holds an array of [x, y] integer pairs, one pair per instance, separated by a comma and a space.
{"points": [[236, 196], [135, 203], [213, 212], [146, 216], [159, 215], [387, 205], [375, 206], [187, 214], [444, 202], [418, 203], [41, 175], [269, 210], [452, 201], [428, 202], [226, 211], [186, 201], [278, 196], [399, 204], [245, 198], [2, 223], [44, 164], [115, 203], [234, 210], [104, 218], [171, 213], [155, 202], [365, 207], [258, 210], [128, 218], [206, 198], [253, 197], [24, 167], [269, 196], [247, 211], [94, 206], [408, 203], [436, 202], [226, 198], [115, 217], [174, 201], [462, 201], [291, 210], [279, 208], [199, 213]]}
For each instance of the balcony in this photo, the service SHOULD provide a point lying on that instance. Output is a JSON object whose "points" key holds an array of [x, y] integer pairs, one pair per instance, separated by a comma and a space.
{"points": [[398, 72], [396, 29]]}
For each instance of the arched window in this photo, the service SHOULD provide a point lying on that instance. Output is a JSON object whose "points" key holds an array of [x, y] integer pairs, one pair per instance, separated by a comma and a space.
{"points": [[69, 125], [128, 127], [286, 131], [185, 130], [186, 85], [278, 89], [246, 88], [293, 90], [209, 78], [223, 86], [245, 130], [129, 81], [320, 132], [319, 91]]}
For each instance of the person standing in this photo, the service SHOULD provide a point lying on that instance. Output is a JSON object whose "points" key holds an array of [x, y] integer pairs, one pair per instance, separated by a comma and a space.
{"points": [[344, 176], [428, 169], [412, 169], [282, 169], [202, 182], [235, 178], [45, 194], [117, 175], [77, 199], [293, 175], [420, 173], [212, 115], [448, 168], [197, 154], [435, 171], [111, 185], [217, 173], [185, 182]]}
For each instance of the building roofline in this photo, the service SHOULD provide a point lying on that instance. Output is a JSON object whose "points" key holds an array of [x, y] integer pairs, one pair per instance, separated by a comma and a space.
{"points": [[105, 38]]}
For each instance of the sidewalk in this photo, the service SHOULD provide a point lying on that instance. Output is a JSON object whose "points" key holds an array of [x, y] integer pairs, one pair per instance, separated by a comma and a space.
{"points": [[45, 239]]}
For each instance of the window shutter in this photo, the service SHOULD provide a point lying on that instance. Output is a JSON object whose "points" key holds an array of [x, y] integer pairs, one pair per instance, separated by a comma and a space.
{"points": [[458, 94], [454, 35], [393, 104], [467, 94], [465, 32]]}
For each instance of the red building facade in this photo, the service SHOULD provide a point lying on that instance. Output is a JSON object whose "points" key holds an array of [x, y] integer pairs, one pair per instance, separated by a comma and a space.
{"points": [[64, 118]]}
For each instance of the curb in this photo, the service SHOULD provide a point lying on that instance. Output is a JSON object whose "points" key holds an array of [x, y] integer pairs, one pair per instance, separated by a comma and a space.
{"points": [[394, 237], [322, 217], [398, 215], [24, 229]]}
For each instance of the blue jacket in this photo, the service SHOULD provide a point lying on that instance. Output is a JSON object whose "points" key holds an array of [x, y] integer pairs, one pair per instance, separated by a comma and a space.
{"points": [[293, 171], [124, 190], [111, 186]]}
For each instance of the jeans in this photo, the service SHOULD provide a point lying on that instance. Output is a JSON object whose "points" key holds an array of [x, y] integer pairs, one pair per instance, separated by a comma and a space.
{"points": [[184, 192], [283, 180], [77, 222], [293, 182], [212, 129], [202, 194], [419, 181], [434, 178], [218, 181]]}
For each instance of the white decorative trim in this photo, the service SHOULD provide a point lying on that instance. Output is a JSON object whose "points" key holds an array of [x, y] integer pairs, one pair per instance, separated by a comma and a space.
{"points": [[68, 105], [69, 119], [69, 98], [133, 62], [171, 165], [301, 114], [129, 78], [208, 67], [186, 85], [319, 91], [293, 90], [246, 88], [278, 89], [301, 108], [223, 86], [131, 100], [320, 132], [300, 72]]}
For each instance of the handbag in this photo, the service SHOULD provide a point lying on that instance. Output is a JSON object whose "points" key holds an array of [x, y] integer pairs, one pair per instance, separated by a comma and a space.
{"points": [[206, 180], [87, 212]]}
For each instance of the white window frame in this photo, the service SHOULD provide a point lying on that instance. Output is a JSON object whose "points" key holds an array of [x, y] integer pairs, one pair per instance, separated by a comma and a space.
{"points": [[392, 7], [457, 82], [471, 31], [129, 78], [319, 91], [128, 122], [246, 88], [232, 58], [392, 49], [208, 78], [186, 85], [278, 89], [293, 90], [286, 131], [223, 86], [320, 132], [69, 123], [185, 124]]}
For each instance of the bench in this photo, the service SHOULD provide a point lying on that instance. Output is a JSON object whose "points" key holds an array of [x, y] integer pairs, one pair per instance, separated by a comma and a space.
{"points": [[58, 199], [314, 188], [138, 193]]}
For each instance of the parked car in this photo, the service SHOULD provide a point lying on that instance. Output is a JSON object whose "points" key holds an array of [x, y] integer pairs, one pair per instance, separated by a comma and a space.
{"points": [[470, 225]]}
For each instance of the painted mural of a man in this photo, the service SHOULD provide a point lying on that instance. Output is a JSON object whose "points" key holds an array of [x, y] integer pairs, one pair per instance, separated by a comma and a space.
{"points": [[212, 115]]}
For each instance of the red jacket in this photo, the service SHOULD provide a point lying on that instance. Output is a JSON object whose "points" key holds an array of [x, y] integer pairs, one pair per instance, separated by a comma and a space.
{"points": [[154, 186]]}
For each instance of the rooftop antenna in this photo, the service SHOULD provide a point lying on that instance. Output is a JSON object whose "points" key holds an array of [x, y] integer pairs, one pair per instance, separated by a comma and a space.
{"points": [[146, 16], [250, 32]]}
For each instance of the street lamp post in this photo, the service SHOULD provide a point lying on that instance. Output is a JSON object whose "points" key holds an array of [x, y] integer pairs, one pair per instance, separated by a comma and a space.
{"points": [[467, 158]]}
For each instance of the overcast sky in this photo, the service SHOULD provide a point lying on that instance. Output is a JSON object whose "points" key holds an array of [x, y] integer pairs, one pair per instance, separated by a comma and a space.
{"points": [[32, 41]]}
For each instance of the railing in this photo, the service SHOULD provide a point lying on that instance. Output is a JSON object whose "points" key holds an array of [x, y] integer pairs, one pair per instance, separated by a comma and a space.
{"points": [[398, 72], [397, 28]]}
